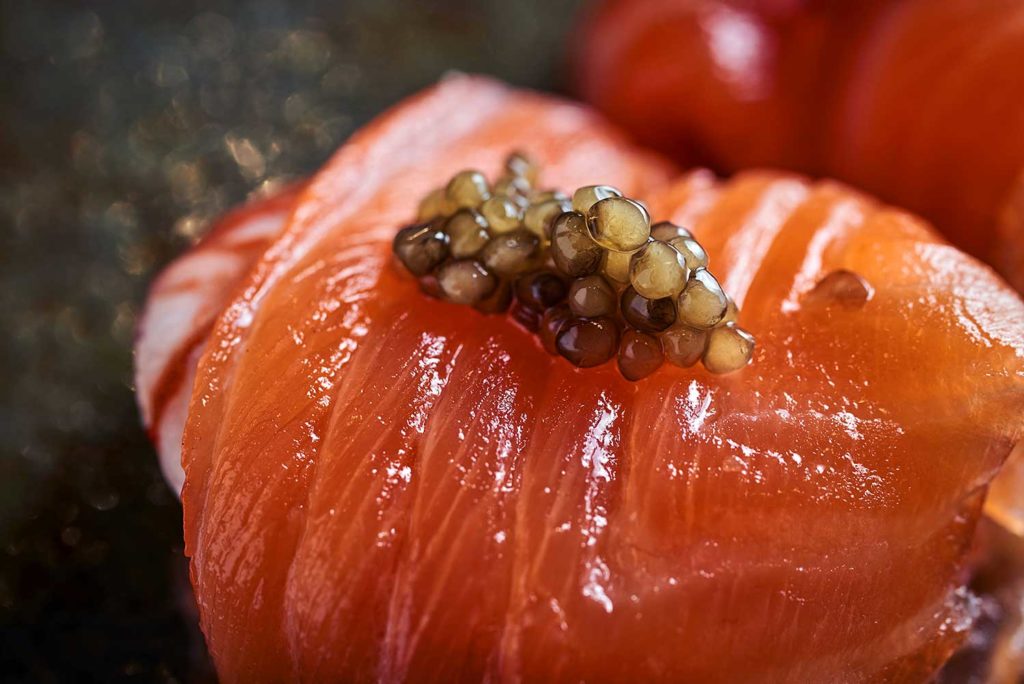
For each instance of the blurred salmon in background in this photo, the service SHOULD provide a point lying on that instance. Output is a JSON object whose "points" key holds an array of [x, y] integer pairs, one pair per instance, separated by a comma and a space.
{"points": [[920, 102]]}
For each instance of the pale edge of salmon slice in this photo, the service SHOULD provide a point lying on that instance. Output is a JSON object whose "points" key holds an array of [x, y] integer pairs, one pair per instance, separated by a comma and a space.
{"points": [[182, 305]]}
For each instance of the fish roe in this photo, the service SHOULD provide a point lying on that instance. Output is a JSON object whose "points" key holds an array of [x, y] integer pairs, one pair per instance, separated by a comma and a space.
{"points": [[693, 253], [540, 214], [467, 189], [683, 345], [658, 270], [666, 231], [422, 247], [619, 224], [518, 165], [573, 250], [511, 253], [703, 302], [640, 355], [467, 232], [501, 213], [465, 281], [433, 205], [590, 276], [584, 198], [541, 290], [588, 342], [651, 315], [551, 324], [591, 296], [615, 266], [729, 349]]}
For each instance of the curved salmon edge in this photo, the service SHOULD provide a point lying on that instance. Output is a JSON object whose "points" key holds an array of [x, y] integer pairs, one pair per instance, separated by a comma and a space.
{"points": [[355, 204], [381, 486], [831, 89], [182, 304]]}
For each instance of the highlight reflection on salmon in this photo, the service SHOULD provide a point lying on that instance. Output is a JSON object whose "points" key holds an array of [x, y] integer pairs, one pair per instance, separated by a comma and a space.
{"points": [[383, 486]]}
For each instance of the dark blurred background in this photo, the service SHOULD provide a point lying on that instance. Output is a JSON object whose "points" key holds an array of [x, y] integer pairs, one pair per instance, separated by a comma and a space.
{"points": [[125, 127]]}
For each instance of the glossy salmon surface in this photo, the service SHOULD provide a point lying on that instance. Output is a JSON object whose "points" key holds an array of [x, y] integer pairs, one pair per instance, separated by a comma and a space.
{"points": [[920, 102], [386, 487]]}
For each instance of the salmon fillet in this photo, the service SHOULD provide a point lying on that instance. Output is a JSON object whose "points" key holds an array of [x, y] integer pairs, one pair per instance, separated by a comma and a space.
{"points": [[382, 486]]}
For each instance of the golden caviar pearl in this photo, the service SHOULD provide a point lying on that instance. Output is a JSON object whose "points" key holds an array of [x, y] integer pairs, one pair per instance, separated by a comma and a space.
{"points": [[518, 164], [540, 290], [703, 303], [657, 270], [540, 215], [732, 312], [467, 189], [502, 214], [588, 342], [588, 195], [730, 348], [683, 345], [692, 251], [619, 224], [511, 253], [551, 324], [573, 250], [615, 266], [592, 296], [666, 230], [513, 187], [465, 281], [650, 315], [640, 355], [467, 232], [434, 204], [421, 247]]}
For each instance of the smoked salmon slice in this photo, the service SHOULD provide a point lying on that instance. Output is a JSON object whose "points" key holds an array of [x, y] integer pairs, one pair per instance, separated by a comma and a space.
{"points": [[381, 486], [918, 101]]}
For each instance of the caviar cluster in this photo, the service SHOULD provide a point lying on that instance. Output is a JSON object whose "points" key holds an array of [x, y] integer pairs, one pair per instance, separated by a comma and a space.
{"points": [[588, 273]]}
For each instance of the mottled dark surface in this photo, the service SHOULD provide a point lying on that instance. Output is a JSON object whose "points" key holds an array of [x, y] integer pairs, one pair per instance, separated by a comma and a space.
{"points": [[124, 127]]}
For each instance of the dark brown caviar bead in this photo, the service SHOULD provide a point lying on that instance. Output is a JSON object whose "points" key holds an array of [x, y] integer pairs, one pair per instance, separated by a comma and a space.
{"points": [[650, 315], [684, 346], [421, 247], [466, 281], [551, 324], [540, 290], [498, 301], [592, 296], [639, 355], [527, 317], [575, 253], [511, 253], [588, 342]]}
